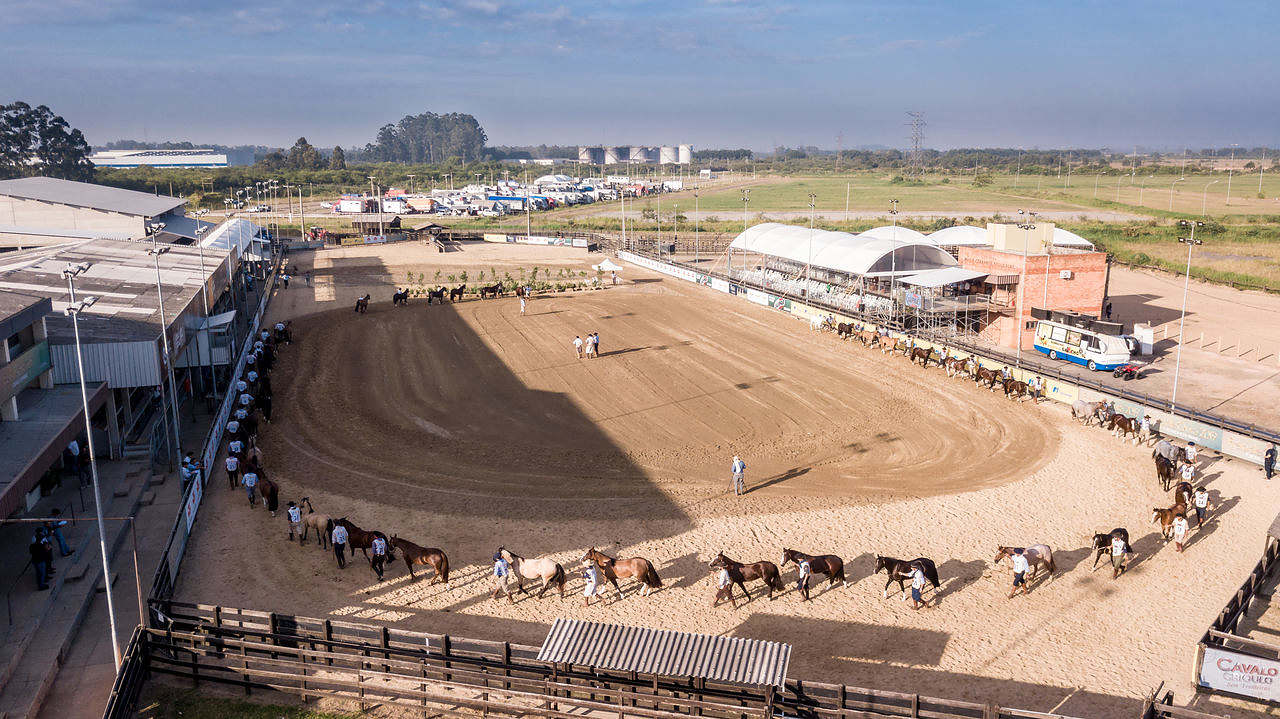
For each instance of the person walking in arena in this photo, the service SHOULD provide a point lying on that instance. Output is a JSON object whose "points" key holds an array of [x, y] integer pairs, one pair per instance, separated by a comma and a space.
{"points": [[1020, 567], [250, 481], [501, 577], [577, 346], [339, 541], [1188, 472], [1119, 556], [1180, 528], [378, 547], [523, 304], [595, 343], [1192, 451], [917, 587], [233, 470], [594, 587], [802, 579], [1200, 503], [1269, 462], [738, 469], [294, 514], [724, 588]]}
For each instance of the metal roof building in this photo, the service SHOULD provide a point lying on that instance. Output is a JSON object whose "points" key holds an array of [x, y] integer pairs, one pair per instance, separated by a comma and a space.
{"points": [[89, 195], [667, 653], [36, 211], [158, 158]]}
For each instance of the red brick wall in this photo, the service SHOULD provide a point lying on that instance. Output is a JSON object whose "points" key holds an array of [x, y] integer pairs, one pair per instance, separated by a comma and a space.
{"points": [[1084, 292]]}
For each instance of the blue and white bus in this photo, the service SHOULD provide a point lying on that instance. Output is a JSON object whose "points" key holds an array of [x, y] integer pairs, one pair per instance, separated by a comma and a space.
{"points": [[1092, 349]]}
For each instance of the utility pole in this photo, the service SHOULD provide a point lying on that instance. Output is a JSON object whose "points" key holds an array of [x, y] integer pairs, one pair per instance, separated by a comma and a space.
{"points": [[1190, 242], [1230, 169], [917, 124]]}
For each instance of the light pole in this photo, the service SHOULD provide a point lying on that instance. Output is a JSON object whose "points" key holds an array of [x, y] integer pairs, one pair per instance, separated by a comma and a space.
{"points": [[1143, 188], [893, 257], [1022, 281], [155, 252], [808, 267], [746, 198], [73, 311], [1171, 188], [1231, 169], [1190, 242], [848, 190], [1096, 177], [695, 224], [411, 176], [374, 193], [204, 294], [1204, 198]]}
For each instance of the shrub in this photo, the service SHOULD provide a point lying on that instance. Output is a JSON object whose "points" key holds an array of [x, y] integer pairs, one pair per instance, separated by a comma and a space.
{"points": [[983, 179]]}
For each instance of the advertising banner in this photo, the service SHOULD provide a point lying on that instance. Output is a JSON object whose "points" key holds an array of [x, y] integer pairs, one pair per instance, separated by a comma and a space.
{"points": [[193, 503], [495, 237], [719, 285], [1240, 674], [758, 297], [349, 241], [23, 369]]}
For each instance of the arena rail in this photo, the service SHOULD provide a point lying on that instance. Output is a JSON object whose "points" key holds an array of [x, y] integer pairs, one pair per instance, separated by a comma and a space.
{"points": [[166, 574], [369, 664], [1237, 439]]}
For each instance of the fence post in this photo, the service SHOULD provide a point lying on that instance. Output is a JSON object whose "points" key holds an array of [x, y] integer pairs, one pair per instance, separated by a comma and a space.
{"points": [[328, 639], [915, 706], [445, 649]]}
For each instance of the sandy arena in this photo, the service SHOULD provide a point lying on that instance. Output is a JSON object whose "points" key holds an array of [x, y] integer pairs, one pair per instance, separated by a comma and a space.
{"points": [[468, 426]]}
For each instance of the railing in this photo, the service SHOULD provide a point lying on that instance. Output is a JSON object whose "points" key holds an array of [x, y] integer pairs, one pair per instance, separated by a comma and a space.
{"points": [[369, 664], [1049, 371], [129, 679]]}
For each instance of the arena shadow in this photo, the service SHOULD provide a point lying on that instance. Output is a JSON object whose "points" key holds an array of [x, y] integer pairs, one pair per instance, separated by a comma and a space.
{"points": [[901, 659]]}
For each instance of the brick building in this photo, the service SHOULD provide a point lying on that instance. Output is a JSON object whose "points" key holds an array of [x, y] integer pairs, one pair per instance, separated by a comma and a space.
{"points": [[1025, 270]]}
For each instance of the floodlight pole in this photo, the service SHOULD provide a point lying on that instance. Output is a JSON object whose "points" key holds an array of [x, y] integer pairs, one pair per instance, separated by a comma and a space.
{"points": [[1230, 169], [74, 310], [808, 268], [893, 258], [1172, 185], [204, 294], [1204, 198], [155, 253], [695, 224], [1190, 242]]}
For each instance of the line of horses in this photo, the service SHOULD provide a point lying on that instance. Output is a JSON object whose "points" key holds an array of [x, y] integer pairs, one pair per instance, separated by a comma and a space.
{"points": [[955, 366], [400, 298]]}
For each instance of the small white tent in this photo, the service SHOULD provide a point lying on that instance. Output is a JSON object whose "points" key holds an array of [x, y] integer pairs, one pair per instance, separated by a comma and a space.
{"points": [[607, 266]]}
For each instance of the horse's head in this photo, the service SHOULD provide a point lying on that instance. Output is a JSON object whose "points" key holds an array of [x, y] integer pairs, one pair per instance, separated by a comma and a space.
{"points": [[1001, 553], [1101, 540], [788, 555], [1155, 514], [881, 563]]}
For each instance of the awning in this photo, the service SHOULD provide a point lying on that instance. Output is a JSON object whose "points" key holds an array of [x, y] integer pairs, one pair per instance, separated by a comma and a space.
{"points": [[183, 226], [607, 266], [941, 277], [1002, 280], [216, 321], [667, 653]]}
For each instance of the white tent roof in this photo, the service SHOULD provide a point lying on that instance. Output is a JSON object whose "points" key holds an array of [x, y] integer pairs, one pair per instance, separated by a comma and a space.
{"points": [[234, 233], [553, 180], [840, 251], [891, 233], [1066, 238], [960, 235], [607, 266], [944, 276]]}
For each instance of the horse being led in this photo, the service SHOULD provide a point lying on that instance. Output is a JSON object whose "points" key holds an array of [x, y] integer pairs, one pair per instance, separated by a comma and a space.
{"points": [[456, 293], [1102, 543], [1038, 555], [923, 354], [1086, 410], [954, 366], [900, 570], [495, 290], [636, 568], [1182, 493], [1016, 389], [740, 573], [1165, 471], [548, 571], [362, 304], [868, 338], [989, 376], [322, 524], [1122, 426], [400, 298], [1165, 518], [423, 556], [828, 565], [358, 538], [437, 294]]}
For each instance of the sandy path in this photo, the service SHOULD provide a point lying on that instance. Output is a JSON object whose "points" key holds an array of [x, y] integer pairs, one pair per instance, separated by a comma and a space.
{"points": [[468, 427]]}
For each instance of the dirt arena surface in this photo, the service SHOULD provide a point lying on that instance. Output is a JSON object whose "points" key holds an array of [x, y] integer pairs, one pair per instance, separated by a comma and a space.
{"points": [[467, 427]]}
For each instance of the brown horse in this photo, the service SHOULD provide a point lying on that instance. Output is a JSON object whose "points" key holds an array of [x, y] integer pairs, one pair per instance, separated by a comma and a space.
{"points": [[868, 338], [740, 573], [923, 354], [844, 330], [413, 554], [270, 492], [636, 568], [900, 570], [990, 376], [954, 366], [358, 538], [888, 344], [825, 564], [1123, 426], [1165, 472], [1166, 516], [1016, 389], [1182, 493], [1102, 543]]}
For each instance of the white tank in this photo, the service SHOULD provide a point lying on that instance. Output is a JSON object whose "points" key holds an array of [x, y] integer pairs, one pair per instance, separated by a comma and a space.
{"points": [[639, 154], [686, 154], [667, 155], [591, 155], [614, 155]]}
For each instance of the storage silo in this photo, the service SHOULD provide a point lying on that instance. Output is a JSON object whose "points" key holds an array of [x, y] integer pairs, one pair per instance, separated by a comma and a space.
{"points": [[591, 155], [667, 155], [686, 154], [614, 155], [638, 155]]}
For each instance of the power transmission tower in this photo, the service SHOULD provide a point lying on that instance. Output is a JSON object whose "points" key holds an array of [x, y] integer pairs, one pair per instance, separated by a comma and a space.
{"points": [[917, 124]]}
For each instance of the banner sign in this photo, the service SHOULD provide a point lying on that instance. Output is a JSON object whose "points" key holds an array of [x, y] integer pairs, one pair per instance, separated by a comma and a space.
{"points": [[350, 241], [1227, 671], [375, 239], [495, 237], [193, 501], [24, 368]]}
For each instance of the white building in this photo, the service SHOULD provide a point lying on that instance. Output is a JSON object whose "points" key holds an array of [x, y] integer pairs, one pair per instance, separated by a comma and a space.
{"points": [[158, 158]]}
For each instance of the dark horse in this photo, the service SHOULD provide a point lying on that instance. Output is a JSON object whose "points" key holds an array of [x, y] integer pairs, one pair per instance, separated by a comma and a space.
{"points": [[900, 570], [495, 290], [990, 376], [1182, 493], [844, 330], [358, 538], [270, 492], [437, 294], [456, 293], [1165, 471], [413, 554], [924, 354], [362, 304], [740, 573], [400, 298], [1102, 543], [826, 564], [1015, 388]]}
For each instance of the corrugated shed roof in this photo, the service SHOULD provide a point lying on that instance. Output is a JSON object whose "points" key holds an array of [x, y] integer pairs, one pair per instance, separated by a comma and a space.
{"points": [[86, 194], [665, 652]]}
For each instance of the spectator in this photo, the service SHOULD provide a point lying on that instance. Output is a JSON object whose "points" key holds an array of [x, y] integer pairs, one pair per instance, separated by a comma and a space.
{"points": [[1269, 461], [54, 527], [41, 559]]}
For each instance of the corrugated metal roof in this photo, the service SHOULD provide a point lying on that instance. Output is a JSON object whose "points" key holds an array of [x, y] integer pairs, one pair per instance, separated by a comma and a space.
{"points": [[85, 194], [665, 652]]}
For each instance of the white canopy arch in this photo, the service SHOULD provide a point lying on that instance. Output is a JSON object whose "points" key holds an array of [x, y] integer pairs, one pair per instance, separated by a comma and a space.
{"points": [[861, 254]]}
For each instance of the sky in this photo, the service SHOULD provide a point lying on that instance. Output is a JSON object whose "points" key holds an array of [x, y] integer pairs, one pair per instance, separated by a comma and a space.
{"points": [[713, 73]]}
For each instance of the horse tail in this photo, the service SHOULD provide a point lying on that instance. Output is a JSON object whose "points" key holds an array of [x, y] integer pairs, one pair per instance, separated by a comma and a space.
{"points": [[558, 578], [328, 526], [931, 573], [444, 567], [651, 577], [1053, 566]]}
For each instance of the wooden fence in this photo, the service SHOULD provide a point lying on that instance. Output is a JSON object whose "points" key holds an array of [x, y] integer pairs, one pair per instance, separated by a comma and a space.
{"points": [[368, 664]]}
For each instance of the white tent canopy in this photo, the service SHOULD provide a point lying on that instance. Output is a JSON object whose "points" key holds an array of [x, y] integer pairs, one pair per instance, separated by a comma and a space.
{"points": [[1067, 238], [961, 236], [607, 266], [876, 252], [942, 277]]}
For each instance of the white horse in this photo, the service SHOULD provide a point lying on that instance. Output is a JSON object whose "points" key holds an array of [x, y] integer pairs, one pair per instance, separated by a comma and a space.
{"points": [[547, 570], [1038, 555]]}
